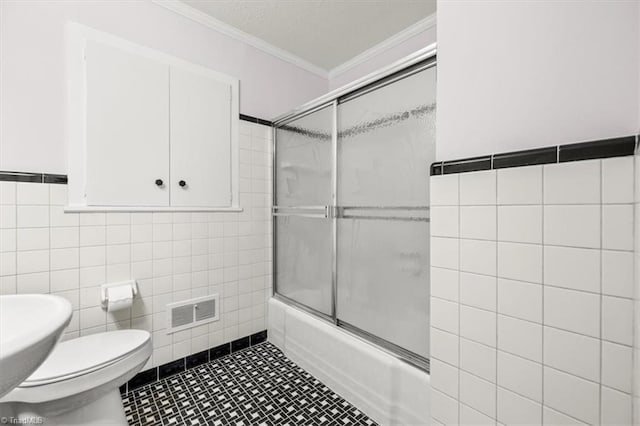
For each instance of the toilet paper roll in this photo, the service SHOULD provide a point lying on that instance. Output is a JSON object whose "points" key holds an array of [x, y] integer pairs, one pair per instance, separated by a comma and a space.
{"points": [[119, 297]]}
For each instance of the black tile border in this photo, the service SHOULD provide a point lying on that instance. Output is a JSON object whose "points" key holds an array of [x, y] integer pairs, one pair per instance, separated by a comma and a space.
{"points": [[255, 120], [8, 176], [604, 148], [179, 365]]}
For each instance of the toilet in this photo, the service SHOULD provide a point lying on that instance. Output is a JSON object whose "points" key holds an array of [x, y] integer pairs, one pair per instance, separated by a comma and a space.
{"points": [[78, 384]]}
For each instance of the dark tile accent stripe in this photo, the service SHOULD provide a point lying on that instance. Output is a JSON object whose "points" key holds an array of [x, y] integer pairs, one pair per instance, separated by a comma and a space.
{"points": [[54, 179], [258, 337], [605, 148], [191, 361], [220, 351], [255, 120], [143, 378], [467, 165], [240, 344], [529, 157], [171, 368], [196, 359], [8, 176]]}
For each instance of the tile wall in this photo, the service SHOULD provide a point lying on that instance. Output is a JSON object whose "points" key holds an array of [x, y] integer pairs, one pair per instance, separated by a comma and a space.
{"points": [[532, 294], [636, 322], [173, 256]]}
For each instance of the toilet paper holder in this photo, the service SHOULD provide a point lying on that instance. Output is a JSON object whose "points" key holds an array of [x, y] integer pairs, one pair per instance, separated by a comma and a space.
{"points": [[104, 291]]}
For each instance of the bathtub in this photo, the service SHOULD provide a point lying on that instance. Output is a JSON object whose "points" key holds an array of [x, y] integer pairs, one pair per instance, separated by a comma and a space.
{"points": [[388, 390]]}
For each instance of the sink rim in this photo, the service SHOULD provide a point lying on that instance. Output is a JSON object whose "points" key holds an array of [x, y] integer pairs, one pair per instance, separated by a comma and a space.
{"points": [[17, 344]]}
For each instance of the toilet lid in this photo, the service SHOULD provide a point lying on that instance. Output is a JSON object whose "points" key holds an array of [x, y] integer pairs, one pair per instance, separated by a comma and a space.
{"points": [[79, 356]]}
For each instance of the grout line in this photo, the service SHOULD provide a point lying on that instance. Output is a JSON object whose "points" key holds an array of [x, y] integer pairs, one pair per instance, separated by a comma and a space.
{"points": [[542, 319]]}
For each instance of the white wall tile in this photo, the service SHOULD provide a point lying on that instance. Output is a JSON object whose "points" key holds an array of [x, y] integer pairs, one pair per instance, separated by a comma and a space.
{"points": [[444, 190], [32, 216], [574, 226], [478, 393], [520, 224], [576, 182], [617, 273], [573, 268], [478, 256], [520, 375], [478, 325], [444, 378], [7, 263], [32, 193], [520, 185], [572, 353], [572, 310], [478, 359], [552, 417], [617, 366], [616, 407], [33, 283], [519, 299], [444, 283], [478, 222], [444, 252], [617, 180], [469, 416], [7, 193], [443, 408], [32, 261], [514, 409], [64, 237], [522, 338], [444, 221], [444, 315], [478, 188], [8, 240], [444, 346], [8, 217], [478, 290], [617, 320], [32, 239], [569, 394], [617, 227], [521, 262]]}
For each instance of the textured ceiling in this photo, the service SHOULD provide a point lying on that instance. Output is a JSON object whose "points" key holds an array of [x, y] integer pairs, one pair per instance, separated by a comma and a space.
{"points": [[323, 32]]}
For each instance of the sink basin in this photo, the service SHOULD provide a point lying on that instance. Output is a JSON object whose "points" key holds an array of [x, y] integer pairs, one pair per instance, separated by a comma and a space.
{"points": [[30, 326]]}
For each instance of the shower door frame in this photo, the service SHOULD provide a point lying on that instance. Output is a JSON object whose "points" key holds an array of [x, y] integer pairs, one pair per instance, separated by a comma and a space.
{"points": [[410, 65]]}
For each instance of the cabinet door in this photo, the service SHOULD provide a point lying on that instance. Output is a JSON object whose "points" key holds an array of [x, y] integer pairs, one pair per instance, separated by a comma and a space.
{"points": [[127, 109], [200, 110]]}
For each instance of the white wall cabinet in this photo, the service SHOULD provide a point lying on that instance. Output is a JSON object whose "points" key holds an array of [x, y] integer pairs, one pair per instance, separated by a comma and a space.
{"points": [[200, 139], [148, 131], [127, 128]]}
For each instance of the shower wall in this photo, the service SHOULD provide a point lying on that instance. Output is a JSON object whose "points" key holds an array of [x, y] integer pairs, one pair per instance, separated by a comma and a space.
{"points": [[351, 209]]}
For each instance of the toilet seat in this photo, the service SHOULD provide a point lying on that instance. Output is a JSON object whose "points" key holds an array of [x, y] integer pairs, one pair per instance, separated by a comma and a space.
{"points": [[85, 368], [83, 355]]}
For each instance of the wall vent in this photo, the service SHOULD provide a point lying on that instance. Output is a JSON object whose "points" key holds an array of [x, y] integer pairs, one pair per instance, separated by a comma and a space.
{"points": [[192, 312]]}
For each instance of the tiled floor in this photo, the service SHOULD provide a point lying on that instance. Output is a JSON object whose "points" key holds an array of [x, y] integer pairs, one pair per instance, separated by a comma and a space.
{"points": [[256, 386]]}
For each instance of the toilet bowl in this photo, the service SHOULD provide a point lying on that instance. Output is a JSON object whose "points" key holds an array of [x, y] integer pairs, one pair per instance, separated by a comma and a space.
{"points": [[79, 382]]}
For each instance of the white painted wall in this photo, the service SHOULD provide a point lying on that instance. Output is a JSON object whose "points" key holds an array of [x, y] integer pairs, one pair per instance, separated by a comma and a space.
{"points": [[32, 70], [384, 58], [515, 75]]}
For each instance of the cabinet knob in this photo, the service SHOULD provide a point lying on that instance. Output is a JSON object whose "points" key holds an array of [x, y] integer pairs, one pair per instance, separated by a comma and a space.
{"points": [[159, 182], [182, 183]]}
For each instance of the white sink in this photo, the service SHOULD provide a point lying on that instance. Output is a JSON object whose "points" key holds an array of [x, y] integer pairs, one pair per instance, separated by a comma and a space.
{"points": [[30, 326]]}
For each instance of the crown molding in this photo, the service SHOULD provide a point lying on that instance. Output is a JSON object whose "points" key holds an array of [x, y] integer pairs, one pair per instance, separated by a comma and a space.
{"points": [[394, 40], [190, 12]]}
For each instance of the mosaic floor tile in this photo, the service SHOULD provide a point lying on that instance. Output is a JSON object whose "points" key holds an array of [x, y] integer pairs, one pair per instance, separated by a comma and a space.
{"points": [[254, 386]]}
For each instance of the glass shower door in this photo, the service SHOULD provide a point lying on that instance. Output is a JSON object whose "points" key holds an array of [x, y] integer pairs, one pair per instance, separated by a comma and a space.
{"points": [[386, 142], [303, 227]]}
